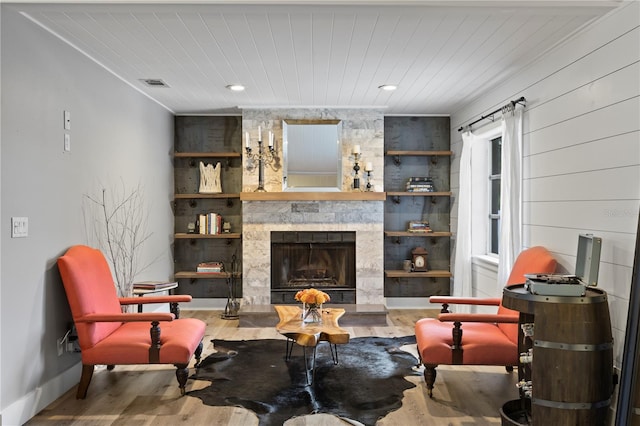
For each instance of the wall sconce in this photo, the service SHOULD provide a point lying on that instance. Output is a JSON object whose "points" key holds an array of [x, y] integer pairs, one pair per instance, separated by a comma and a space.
{"points": [[263, 157]]}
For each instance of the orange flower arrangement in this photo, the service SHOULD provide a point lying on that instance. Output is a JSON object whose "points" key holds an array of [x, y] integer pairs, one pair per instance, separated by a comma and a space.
{"points": [[312, 296]]}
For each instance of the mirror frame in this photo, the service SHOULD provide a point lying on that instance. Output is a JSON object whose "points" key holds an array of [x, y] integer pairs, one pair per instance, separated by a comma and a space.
{"points": [[285, 157]]}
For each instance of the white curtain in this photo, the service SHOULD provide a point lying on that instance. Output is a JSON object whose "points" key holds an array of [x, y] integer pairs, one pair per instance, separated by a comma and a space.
{"points": [[510, 242], [462, 269]]}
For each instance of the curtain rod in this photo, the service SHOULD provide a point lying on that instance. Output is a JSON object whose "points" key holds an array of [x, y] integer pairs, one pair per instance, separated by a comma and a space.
{"points": [[511, 104]]}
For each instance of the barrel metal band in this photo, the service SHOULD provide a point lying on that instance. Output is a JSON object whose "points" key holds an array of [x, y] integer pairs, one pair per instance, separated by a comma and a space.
{"points": [[578, 347], [571, 405], [586, 299]]}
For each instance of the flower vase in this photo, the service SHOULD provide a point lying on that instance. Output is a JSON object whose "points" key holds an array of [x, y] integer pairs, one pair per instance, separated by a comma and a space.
{"points": [[312, 312]]}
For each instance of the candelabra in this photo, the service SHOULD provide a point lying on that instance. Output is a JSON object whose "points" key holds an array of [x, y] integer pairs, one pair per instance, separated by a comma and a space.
{"points": [[356, 169], [263, 157]]}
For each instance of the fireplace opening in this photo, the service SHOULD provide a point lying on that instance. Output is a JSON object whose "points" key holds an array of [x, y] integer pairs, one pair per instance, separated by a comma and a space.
{"points": [[323, 260]]}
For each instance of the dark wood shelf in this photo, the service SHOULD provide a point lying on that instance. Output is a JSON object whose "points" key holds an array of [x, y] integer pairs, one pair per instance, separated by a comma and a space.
{"points": [[416, 234], [429, 274], [186, 236], [207, 154], [203, 275], [195, 196], [420, 153], [419, 194]]}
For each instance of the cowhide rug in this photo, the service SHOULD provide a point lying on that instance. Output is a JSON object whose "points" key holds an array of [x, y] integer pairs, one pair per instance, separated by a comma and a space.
{"points": [[366, 384]]}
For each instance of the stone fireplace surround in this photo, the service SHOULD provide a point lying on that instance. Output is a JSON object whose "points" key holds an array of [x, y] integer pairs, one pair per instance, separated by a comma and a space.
{"points": [[365, 218]]}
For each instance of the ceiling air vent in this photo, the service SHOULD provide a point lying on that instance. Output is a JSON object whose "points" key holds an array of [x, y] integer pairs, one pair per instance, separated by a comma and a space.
{"points": [[154, 82]]}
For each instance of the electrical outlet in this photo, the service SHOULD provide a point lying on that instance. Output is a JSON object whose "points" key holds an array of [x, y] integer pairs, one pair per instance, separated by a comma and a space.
{"points": [[67, 142], [60, 346]]}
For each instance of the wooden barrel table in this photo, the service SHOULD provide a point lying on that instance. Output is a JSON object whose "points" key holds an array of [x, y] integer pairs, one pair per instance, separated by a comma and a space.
{"points": [[572, 368]]}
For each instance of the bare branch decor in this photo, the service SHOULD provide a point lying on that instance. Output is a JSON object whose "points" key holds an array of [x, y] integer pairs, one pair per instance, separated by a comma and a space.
{"points": [[117, 218]]}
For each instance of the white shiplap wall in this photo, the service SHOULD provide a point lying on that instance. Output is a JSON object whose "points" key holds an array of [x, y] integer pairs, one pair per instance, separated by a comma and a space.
{"points": [[581, 151]]}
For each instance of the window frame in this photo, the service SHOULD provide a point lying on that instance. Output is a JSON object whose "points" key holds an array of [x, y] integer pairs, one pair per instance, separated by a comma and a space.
{"points": [[493, 177], [481, 201]]}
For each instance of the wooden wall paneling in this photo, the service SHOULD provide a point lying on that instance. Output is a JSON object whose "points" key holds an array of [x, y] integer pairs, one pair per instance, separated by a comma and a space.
{"points": [[416, 134], [601, 92], [222, 137], [594, 125]]}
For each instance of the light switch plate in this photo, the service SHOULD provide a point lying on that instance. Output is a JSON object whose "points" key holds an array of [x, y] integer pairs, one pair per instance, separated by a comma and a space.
{"points": [[67, 120], [19, 227]]}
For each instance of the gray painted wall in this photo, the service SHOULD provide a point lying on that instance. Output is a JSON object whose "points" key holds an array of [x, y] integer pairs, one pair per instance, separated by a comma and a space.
{"points": [[117, 136]]}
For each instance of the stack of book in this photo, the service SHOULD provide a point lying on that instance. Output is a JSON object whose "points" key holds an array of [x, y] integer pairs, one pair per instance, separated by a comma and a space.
{"points": [[209, 223], [420, 184], [210, 267], [154, 285], [422, 226]]}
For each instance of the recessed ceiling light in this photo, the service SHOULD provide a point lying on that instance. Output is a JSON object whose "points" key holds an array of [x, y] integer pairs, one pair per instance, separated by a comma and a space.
{"points": [[235, 87], [388, 87]]}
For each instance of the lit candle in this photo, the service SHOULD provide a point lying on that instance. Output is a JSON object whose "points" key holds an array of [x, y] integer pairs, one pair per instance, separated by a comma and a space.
{"points": [[356, 149], [259, 134], [368, 167], [247, 143], [270, 139]]}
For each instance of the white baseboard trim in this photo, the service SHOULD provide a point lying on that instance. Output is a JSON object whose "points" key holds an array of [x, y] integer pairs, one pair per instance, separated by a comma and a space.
{"points": [[19, 412]]}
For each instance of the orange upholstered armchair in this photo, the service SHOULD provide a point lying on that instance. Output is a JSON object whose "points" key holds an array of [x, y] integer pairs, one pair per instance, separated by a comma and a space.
{"points": [[108, 336], [477, 339]]}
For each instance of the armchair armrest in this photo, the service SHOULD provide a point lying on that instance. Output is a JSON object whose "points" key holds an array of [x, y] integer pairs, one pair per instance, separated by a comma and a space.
{"points": [[175, 298], [124, 317], [448, 300], [491, 318]]}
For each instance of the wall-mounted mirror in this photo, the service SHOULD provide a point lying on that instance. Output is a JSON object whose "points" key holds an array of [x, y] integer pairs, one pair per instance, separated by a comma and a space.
{"points": [[312, 155]]}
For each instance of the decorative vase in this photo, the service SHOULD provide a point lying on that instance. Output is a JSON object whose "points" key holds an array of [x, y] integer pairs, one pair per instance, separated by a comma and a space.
{"points": [[312, 312]]}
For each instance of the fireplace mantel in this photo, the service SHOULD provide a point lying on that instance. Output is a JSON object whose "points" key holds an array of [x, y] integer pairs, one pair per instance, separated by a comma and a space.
{"points": [[313, 196]]}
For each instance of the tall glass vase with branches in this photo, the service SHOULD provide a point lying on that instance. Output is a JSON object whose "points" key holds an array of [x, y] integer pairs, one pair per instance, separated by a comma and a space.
{"points": [[117, 219]]}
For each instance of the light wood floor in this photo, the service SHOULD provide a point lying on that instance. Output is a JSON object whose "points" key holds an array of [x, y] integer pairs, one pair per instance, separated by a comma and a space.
{"points": [[148, 395]]}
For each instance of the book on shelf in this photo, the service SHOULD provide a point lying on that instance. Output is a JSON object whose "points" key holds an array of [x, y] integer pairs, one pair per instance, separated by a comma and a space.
{"points": [[209, 223], [153, 285], [420, 184], [210, 267], [419, 226]]}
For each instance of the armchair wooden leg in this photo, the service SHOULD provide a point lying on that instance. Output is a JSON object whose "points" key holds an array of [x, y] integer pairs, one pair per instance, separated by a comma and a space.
{"points": [[182, 373], [85, 379], [509, 368], [430, 378], [198, 354]]}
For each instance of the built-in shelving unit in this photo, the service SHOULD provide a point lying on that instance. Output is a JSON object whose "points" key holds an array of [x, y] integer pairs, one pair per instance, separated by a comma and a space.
{"points": [[417, 147], [217, 139]]}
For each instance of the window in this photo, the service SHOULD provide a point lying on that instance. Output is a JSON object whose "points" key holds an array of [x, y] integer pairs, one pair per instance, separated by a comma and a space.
{"points": [[494, 195]]}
